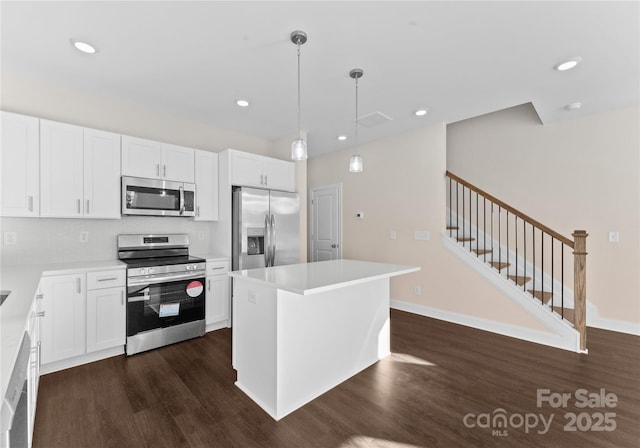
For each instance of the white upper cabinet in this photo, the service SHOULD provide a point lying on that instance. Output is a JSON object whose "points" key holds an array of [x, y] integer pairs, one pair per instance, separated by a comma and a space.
{"points": [[253, 170], [178, 163], [155, 160], [206, 174], [20, 162], [79, 172], [101, 174], [61, 169]]}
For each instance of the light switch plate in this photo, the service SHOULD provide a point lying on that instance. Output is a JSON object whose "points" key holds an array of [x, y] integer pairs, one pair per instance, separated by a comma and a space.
{"points": [[421, 235], [392, 234], [614, 237]]}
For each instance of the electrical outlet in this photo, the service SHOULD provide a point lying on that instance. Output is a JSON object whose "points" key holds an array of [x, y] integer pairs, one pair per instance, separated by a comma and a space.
{"points": [[10, 238], [417, 290], [84, 236], [201, 236], [614, 237], [252, 296]]}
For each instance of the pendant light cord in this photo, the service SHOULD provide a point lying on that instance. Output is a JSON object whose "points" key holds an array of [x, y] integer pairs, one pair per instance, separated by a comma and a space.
{"points": [[356, 120], [299, 131]]}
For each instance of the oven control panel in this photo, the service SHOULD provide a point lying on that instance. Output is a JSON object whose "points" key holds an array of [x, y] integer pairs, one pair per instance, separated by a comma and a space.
{"points": [[194, 268]]}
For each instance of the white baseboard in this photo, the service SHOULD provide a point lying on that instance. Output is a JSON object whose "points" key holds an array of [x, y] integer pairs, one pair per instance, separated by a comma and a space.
{"points": [[566, 342], [82, 359], [621, 326]]}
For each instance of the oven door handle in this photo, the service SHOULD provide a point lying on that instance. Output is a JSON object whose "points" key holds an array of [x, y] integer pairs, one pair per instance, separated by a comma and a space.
{"points": [[150, 280]]}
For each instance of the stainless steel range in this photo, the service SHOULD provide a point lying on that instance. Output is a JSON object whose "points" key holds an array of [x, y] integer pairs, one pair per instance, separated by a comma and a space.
{"points": [[165, 290]]}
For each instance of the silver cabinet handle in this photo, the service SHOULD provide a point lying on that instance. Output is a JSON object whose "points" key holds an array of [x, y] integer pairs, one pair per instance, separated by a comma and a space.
{"points": [[164, 170], [79, 285], [158, 169], [209, 285], [87, 206], [39, 296], [30, 200], [266, 182], [40, 314], [262, 179], [198, 211], [79, 206], [107, 279], [121, 297]]}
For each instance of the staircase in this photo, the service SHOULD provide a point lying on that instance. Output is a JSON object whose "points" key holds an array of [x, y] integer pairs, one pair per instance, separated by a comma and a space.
{"points": [[540, 265]]}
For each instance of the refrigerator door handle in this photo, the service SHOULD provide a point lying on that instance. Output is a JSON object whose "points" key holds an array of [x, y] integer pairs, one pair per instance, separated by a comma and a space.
{"points": [[273, 240], [267, 243]]}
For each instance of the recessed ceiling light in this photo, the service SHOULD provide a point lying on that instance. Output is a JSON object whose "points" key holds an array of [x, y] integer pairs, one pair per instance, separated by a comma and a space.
{"points": [[573, 106], [83, 46], [568, 64], [242, 103], [421, 112], [342, 137]]}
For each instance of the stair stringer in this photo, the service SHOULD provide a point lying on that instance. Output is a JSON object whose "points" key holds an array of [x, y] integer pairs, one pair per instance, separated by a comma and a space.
{"points": [[561, 333]]}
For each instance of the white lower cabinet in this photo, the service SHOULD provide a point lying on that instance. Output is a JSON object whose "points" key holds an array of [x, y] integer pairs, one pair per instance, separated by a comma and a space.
{"points": [[106, 318], [33, 374], [84, 313], [63, 323], [217, 297]]}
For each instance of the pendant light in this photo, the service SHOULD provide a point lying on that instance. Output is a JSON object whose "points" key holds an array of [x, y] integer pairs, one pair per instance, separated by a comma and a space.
{"points": [[299, 146], [355, 163]]}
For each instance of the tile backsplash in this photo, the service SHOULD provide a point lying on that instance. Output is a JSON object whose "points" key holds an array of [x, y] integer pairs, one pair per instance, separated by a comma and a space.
{"points": [[47, 240]]}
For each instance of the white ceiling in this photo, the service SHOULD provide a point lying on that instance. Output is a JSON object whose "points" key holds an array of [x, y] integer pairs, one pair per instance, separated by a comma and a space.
{"points": [[458, 59]]}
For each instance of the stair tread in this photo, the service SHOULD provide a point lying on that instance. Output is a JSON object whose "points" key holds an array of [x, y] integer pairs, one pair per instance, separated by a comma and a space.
{"points": [[499, 265], [465, 238], [568, 313], [545, 296], [519, 279], [482, 251]]}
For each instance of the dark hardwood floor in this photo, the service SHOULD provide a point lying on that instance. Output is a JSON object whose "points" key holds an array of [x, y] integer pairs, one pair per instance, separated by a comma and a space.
{"points": [[184, 396]]}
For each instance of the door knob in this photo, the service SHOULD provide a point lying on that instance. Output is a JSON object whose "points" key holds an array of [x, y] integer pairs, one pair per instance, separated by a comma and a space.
{"points": [[334, 246]]}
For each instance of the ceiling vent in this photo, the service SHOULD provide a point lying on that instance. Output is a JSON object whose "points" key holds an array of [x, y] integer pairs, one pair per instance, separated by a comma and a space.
{"points": [[373, 120]]}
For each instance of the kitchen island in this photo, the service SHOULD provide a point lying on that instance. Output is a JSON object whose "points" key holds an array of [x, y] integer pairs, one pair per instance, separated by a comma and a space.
{"points": [[300, 330]]}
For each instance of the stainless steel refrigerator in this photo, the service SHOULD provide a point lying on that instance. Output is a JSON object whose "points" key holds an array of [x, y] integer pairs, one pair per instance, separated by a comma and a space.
{"points": [[266, 228]]}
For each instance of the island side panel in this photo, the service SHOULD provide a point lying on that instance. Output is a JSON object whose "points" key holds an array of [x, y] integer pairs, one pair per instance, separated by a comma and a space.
{"points": [[254, 339], [326, 338]]}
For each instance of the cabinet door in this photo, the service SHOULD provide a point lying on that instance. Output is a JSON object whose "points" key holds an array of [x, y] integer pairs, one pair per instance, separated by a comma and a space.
{"points": [[61, 170], [20, 162], [106, 318], [141, 157], [33, 374], [177, 163], [206, 186], [63, 324], [101, 174], [280, 175], [217, 299], [246, 170]]}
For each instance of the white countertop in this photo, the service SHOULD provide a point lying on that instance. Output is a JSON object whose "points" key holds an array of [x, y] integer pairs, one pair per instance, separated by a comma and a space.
{"points": [[310, 278], [22, 281]]}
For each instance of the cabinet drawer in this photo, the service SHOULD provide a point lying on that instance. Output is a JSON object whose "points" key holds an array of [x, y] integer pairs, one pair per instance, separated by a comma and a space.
{"points": [[217, 267], [106, 279]]}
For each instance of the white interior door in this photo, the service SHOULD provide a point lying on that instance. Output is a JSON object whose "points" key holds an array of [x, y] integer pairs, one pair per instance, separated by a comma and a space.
{"points": [[326, 223]]}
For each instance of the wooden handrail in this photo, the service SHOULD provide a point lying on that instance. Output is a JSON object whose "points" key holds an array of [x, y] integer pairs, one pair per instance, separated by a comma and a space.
{"points": [[516, 212]]}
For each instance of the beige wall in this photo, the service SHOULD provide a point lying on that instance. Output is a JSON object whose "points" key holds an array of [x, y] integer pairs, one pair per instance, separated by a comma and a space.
{"points": [[402, 188], [576, 174]]}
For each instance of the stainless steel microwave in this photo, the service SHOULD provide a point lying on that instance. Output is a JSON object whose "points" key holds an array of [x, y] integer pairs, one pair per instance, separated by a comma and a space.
{"points": [[154, 197]]}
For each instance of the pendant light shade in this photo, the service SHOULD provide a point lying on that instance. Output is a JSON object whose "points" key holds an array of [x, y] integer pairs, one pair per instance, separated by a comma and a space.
{"points": [[355, 163], [299, 146]]}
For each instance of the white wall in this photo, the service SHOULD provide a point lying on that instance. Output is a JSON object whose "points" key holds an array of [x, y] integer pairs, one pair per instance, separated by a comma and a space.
{"points": [[402, 188], [576, 174]]}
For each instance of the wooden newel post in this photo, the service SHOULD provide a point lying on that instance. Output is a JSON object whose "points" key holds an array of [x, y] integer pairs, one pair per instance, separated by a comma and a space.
{"points": [[580, 284]]}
